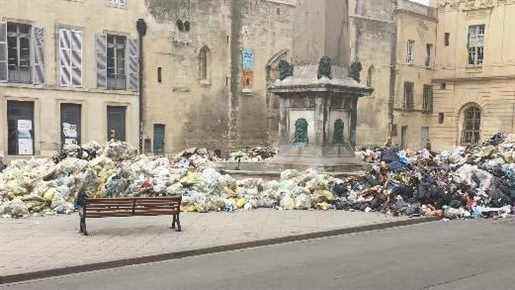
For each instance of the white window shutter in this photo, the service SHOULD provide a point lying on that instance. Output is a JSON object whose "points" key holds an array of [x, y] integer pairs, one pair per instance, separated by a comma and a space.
{"points": [[101, 57], [122, 3], [76, 58], [38, 57], [3, 52], [64, 58], [133, 64]]}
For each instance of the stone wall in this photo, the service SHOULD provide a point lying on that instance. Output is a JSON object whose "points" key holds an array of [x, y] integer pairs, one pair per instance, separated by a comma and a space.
{"points": [[372, 37], [217, 112]]}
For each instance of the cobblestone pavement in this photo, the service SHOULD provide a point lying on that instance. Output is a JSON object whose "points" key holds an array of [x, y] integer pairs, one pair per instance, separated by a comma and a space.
{"points": [[45, 243]]}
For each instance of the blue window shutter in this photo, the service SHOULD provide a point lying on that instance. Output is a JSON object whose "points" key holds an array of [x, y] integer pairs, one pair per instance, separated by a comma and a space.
{"points": [[133, 64], [101, 57], [3, 52], [38, 60], [64, 58], [76, 58]]}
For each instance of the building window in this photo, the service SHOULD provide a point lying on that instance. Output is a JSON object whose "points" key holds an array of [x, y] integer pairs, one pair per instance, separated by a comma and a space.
{"points": [[429, 55], [18, 52], [471, 126], [159, 74], [424, 137], [70, 124], [404, 137], [447, 39], [443, 86], [116, 123], [409, 102], [476, 44], [441, 118], [394, 131], [159, 138], [70, 58], [20, 128], [410, 52], [360, 7], [370, 76], [118, 3], [427, 105], [204, 63], [116, 76]]}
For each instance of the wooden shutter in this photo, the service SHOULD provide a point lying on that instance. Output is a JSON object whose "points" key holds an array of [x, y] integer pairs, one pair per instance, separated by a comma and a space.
{"points": [[76, 58], [3, 52], [132, 64], [101, 56], [38, 57], [64, 58]]}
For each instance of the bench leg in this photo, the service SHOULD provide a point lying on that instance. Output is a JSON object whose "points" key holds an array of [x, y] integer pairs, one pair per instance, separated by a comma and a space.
{"points": [[178, 221], [174, 221], [83, 226]]}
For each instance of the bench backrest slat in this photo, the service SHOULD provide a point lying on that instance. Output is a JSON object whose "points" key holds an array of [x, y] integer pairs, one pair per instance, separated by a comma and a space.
{"points": [[125, 207]]}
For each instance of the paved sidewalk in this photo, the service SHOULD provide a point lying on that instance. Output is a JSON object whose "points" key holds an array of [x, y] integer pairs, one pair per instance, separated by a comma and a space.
{"points": [[46, 243]]}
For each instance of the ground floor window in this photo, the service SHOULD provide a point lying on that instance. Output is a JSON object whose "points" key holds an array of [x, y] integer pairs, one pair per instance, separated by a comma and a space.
{"points": [[424, 136], [471, 126], [20, 123], [159, 138], [404, 137], [116, 123], [70, 124]]}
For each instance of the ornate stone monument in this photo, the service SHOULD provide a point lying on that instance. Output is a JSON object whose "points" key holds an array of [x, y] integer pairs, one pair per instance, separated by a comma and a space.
{"points": [[318, 107]]}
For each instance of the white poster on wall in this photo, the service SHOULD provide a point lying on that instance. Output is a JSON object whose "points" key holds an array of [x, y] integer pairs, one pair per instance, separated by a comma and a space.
{"points": [[25, 146], [25, 142], [70, 130], [24, 125]]}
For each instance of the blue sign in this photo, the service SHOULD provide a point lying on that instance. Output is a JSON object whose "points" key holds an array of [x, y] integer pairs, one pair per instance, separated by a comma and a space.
{"points": [[247, 59]]}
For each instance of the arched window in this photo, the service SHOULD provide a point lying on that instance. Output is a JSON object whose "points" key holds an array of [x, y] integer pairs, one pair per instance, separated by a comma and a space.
{"points": [[471, 130], [338, 132], [370, 76], [301, 131], [204, 63]]}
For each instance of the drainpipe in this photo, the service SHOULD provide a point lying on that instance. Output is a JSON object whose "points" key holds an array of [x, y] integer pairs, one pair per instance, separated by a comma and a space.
{"points": [[141, 26]]}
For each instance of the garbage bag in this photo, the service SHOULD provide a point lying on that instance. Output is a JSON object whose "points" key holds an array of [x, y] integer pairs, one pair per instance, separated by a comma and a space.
{"points": [[303, 202]]}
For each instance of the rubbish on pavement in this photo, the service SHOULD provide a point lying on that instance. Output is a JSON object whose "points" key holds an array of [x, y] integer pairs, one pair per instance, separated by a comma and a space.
{"points": [[477, 181]]}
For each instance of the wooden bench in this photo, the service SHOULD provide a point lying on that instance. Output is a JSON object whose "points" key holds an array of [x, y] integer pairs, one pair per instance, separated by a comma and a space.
{"points": [[128, 207]]}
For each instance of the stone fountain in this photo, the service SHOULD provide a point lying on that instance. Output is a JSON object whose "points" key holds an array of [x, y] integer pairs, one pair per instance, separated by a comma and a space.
{"points": [[318, 114]]}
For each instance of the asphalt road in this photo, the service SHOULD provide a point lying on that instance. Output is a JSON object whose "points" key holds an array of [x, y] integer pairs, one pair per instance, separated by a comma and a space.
{"points": [[440, 255]]}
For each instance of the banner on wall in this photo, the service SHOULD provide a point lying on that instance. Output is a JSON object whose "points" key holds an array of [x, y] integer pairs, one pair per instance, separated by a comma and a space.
{"points": [[25, 142]]}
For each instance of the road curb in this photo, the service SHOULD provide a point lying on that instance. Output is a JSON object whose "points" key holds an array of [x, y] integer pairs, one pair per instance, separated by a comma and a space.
{"points": [[197, 252]]}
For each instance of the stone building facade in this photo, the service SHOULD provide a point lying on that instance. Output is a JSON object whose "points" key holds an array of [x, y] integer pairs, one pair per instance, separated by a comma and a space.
{"points": [[372, 36], [67, 74], [416, 27], [205, 81], [69, 70], [474, 84], [394, 42]]}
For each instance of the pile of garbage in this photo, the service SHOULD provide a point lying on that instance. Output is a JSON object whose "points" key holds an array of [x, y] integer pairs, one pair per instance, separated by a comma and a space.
{"points": [[465, 182], [254, 154]]}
